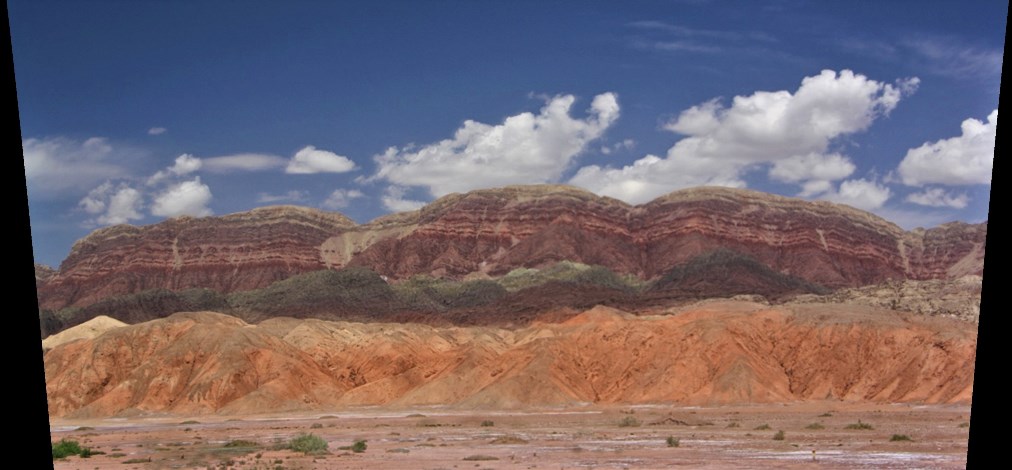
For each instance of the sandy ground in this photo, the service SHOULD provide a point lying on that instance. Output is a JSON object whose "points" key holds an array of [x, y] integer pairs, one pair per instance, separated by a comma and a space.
{"points": [[573, 438]]}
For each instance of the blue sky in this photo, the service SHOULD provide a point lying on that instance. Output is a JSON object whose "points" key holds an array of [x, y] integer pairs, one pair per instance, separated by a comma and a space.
{"points": [[132, 112]]}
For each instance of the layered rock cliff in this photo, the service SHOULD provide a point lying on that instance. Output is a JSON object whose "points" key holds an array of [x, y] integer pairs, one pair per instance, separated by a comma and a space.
{"points": [[491, 232]]}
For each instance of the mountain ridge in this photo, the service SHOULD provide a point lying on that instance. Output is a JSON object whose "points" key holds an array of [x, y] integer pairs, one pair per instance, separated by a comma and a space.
{"points": [[490, 232]]}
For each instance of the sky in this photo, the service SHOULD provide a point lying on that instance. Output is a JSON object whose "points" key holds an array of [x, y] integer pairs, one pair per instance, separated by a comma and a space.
{"points": [[134, 112]]}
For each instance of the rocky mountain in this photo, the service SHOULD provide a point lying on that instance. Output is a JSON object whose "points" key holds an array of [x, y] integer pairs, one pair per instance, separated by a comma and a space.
{"points": [[708, 353], [489, 233]]}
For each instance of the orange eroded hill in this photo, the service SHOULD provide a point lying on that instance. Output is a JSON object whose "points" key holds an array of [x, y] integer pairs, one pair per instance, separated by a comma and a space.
{"points": [[710, 353]]}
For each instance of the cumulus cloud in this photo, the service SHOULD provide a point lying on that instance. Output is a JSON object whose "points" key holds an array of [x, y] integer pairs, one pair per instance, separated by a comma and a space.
{"points": [[58, 165], [393, 199], [341, 198], [157, 131], [243, 162], [311, 160], [290, 196], [783, 129], [861, 193], [963, 160], [185, 198], [184, 165], [938, 197], [112, 205], [524, 149], [816, 171]]}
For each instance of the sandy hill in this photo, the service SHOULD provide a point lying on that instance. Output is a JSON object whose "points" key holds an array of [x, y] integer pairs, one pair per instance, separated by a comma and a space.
{"points": [[87, 330]]}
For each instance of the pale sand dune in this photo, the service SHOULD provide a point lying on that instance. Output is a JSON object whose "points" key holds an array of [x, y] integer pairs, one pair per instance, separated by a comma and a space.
{"points": [[87, 330]]}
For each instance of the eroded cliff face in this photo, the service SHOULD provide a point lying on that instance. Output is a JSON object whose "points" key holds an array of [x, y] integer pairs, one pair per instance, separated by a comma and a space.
{"points": [[491, 232], [229, 253], [709, 353]]}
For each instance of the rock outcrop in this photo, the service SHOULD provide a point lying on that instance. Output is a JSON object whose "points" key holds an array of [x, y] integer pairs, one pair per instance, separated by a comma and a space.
{"points": [[491, 232], [711, 353]]}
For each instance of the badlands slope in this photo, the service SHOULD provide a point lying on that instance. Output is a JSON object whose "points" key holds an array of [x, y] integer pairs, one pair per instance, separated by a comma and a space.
{"points": [[713, 352]]}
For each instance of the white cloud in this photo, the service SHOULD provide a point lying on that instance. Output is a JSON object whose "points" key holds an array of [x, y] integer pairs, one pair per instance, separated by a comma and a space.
{"points": [[290, 196], [963, 160], [157, 131], [938, 197], [393, 199], [860, 193], [524, 149], [184, 165], [243, 162], [185, 198], [626, 144], [112, 205], [58, 165], [780, 128], [341, 198], [814, 171], [311, 160]]}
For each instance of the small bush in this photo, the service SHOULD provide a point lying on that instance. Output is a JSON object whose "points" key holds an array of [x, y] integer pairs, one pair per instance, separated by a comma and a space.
{"points": [[190, 421], [859, 425], [487, 424], [779, 436], [763, 427], [480, 457], [900, 437], [815, 426], [65, 448], [964, 424], [87, 452], [241, 443], [733, 424], [673, 441], [358, 447], [628, 421], [508, 440], [826, 415], [308, 444], [147, 460]]}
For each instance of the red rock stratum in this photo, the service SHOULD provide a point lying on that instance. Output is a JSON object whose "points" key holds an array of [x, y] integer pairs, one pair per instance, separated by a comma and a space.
{"points": [[710, 353], [491, 232]]}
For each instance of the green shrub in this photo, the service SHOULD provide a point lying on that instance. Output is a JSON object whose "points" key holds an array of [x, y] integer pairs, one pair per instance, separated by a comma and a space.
{"points": [[358, 447], [815, 426], [308, 444], [628, 421], [900, 437], [65, 448], [859, 425], [779, 436], [673, 441], [487, 423], [241, 443], [480, 457]]}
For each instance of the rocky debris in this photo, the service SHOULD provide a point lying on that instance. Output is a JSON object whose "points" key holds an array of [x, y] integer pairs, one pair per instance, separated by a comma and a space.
{"points": [[958, 298]]}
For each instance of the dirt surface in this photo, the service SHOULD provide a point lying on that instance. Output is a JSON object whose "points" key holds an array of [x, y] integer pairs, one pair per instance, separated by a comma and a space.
{"points": [[559, 438]]}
